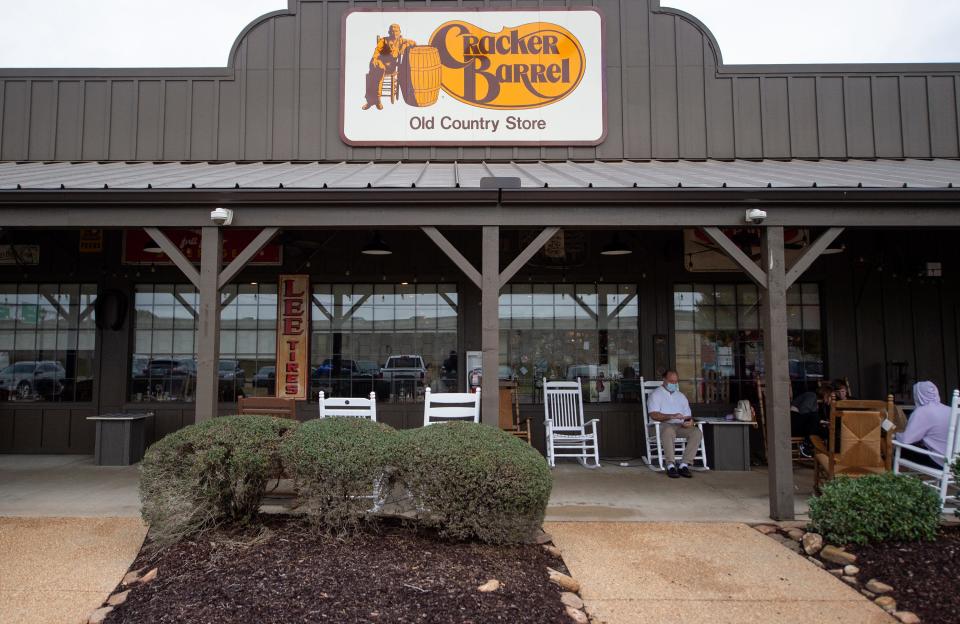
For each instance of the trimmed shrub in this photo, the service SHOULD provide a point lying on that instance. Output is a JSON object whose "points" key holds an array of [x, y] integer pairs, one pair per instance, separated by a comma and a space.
{"points": [[875, 508], [209, 474], [340, 466], [956, 481], [475, 481]]}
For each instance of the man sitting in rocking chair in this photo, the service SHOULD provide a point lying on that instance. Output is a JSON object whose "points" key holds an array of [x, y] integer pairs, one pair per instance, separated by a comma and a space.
{"points": [[670, 408]]}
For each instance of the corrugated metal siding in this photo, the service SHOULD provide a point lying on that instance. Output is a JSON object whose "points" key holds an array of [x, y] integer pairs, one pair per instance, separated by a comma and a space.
{"points": [[599, 174], [666, 99]]}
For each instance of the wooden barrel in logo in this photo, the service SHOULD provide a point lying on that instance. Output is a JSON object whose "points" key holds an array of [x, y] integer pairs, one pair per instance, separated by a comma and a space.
{"points": [[422, 84]]}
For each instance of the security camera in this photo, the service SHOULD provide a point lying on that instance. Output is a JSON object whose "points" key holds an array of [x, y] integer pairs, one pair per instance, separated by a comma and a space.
{"points": [[755, 215], [221, 216]]}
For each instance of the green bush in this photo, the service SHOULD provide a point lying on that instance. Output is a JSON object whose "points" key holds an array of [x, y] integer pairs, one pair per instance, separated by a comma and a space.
{"points": [[875, 508], [956, 482], [339, 466], [475, 481], [209, 474]]}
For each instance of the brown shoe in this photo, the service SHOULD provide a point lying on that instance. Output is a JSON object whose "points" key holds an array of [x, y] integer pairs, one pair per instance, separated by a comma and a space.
{"points": [[365, 107], [379, 106]]}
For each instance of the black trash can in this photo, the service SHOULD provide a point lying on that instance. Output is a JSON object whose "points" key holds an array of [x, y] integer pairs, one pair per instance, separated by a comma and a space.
{"points": [[121, 438]]}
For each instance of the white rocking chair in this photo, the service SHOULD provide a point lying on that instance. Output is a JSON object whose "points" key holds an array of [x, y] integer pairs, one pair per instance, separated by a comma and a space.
{"points": [[653, 457], [333, 407], [940, 479], [567, 433], [442, 407]]}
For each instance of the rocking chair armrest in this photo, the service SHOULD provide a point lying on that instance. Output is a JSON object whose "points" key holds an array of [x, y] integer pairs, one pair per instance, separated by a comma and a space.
{"points": [[919, 449], [591, 423], [548, 423]]}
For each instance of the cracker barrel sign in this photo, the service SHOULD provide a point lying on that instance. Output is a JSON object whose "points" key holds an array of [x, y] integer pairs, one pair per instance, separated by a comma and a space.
{"points": [[293, 337], [473, 77]]}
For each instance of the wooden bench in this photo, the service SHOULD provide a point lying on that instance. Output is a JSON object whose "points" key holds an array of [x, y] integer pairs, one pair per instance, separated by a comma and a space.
{"points": [[268, 406]]}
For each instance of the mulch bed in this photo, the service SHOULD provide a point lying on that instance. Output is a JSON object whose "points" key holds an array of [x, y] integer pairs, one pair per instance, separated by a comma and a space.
{"points": [[925, 576], [292, 573]]}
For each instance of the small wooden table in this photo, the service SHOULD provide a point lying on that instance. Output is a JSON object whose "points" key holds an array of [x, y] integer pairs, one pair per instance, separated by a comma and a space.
{"points": [[121, 438]]}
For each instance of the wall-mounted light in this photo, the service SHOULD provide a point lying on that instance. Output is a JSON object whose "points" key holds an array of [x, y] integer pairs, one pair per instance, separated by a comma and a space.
{"points": [[151, 247], [615, 247]]}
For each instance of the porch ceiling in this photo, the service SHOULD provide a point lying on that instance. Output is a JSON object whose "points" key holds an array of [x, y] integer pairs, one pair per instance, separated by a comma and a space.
{"points": [[709, 174]]}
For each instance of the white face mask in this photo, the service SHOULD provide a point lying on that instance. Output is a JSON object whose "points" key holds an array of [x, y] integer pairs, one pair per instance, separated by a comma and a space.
{"points": [[672, 387]]}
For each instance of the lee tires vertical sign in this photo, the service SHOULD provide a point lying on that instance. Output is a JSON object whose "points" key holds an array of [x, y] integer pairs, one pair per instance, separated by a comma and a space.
{"points": [[473, 77], [293, 337]]}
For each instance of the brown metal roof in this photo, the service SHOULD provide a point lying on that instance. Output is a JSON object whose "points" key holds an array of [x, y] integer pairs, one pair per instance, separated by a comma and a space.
{"points": [[912, 173]]}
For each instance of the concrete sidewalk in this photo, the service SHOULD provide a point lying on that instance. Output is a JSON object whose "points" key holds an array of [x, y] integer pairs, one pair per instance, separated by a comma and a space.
{"points": [[632, 573], [58, 570]]}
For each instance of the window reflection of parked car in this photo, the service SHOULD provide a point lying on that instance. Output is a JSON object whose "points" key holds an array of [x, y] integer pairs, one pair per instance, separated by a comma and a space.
{"points": [[808, 369], [402, 374], [26, 380], [266, 377], [231, 379], [171, 378], [352, 379]]}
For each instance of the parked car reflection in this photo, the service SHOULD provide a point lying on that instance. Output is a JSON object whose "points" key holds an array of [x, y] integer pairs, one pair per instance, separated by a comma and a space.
{"points": [[24, 381]]}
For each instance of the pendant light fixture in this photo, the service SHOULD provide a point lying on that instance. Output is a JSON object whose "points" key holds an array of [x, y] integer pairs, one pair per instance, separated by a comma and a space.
{"points": [[615, 247], [376, 246]]}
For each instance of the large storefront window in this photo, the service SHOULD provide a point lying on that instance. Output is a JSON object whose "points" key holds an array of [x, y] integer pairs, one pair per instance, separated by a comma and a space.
{"points": [[566, 331], [47, 342], [718, 342], [164, 366], [393, 339]]}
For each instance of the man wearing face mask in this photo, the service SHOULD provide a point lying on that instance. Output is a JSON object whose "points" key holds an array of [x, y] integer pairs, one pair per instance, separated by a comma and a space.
{"points": [[670, 408]]}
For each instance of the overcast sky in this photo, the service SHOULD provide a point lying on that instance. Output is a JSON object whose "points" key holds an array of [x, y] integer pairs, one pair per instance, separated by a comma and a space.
{"points": [[179, 33]]}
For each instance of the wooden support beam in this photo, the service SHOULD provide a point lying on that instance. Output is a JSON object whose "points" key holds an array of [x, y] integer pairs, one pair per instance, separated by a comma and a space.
{"points": [[736, 254], [176, 256], [773, 319], [490, 326], [524, 257], [811, 253], [454, 254], [208, 324], [245, 256]]}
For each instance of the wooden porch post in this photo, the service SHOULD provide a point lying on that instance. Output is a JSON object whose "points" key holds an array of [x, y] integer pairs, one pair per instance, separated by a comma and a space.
{"points": [[773, 320], [490, 326], [208, 323]]}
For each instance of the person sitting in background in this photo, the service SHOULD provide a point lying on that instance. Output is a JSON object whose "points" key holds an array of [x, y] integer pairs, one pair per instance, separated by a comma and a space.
{"points": [[810, 415], [842, 389], [927, 426]]}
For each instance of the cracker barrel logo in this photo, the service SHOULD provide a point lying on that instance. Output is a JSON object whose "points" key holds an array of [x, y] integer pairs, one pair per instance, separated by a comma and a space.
{"points": [[520, 67]]}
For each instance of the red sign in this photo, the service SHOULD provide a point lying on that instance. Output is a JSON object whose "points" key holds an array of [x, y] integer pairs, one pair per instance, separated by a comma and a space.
{"points": [[293, 336], [234, 241]]}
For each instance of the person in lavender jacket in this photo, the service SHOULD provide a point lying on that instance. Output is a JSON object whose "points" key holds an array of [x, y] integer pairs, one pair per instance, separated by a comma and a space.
{"points": [[927, 427]]}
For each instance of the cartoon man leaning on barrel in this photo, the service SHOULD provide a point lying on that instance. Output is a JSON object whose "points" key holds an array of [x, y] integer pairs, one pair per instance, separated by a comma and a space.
{"points": [[384, 65]]}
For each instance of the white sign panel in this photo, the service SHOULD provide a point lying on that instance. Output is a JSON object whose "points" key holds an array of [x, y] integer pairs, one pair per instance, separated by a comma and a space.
{"points": [[473, 78]]}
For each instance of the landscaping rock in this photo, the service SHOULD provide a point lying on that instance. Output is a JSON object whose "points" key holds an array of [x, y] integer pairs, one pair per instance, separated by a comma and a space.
{"points": [[837, 555], [851, 570], [817, 562], [793, 524], [542, 537], [907, 617], [98, 616], [796, 534], [566, 582], [570, 599], [490, 586], [790, 544], [887, 603], [766, 529], [812, 543], [577, 615], [149, 576], [553, 550], [118, 598], [132, 576], [868, 594], [851, 580], [878, 587], [837, 572]]}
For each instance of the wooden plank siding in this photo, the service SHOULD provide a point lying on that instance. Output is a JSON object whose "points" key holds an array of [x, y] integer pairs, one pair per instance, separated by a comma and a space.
{"points": [[667, 98]]}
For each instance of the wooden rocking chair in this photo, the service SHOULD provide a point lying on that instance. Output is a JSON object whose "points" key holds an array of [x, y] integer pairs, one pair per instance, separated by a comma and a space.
{"points": [[510, 412], [858, 444]]}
